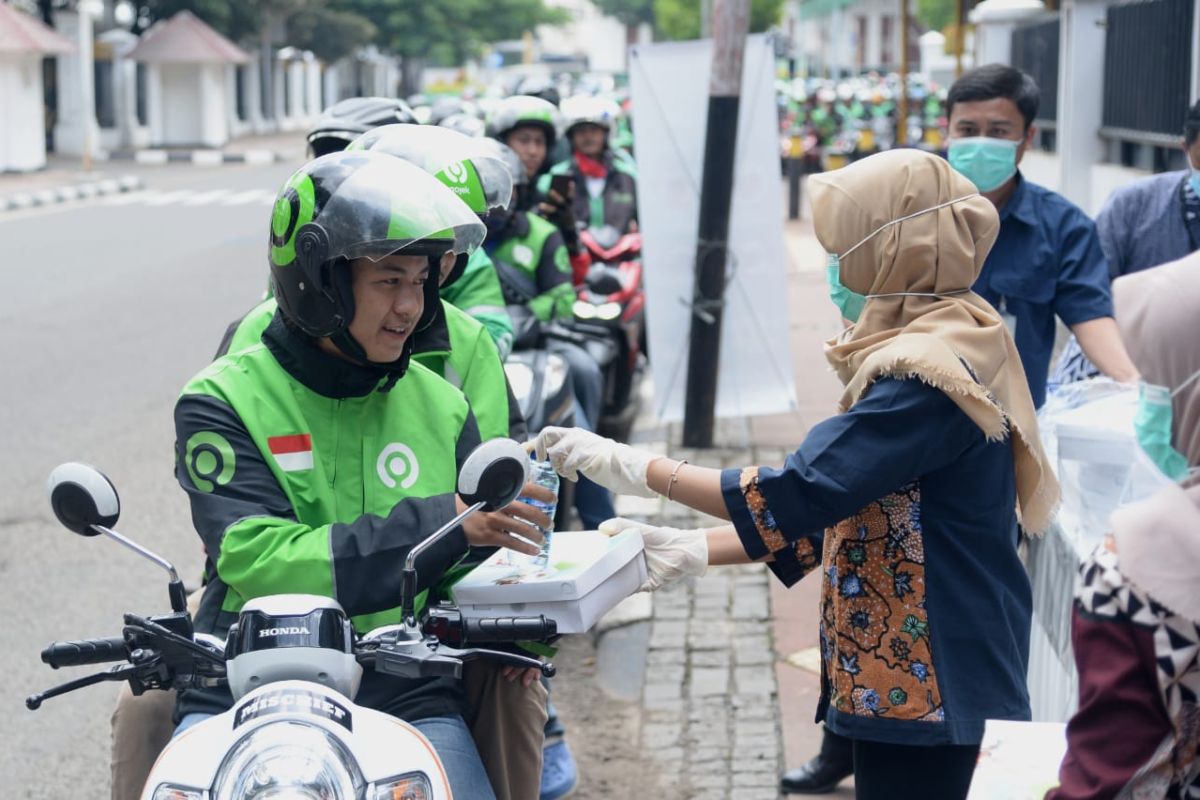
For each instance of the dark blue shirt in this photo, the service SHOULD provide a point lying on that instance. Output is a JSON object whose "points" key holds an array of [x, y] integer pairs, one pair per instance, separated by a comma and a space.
{"points": [[1046, 262], [911, 514]]}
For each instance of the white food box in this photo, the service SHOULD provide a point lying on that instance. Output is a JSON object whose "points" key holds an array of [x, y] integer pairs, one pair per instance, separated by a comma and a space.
{"points": [[589, 573], [1100, 432]]}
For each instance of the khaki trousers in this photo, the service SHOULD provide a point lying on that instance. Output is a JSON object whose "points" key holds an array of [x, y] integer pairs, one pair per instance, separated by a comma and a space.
{"points": [[507, 722]]}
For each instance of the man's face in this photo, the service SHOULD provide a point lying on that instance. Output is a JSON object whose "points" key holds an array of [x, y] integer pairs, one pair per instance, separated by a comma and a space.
{"points": [[529, 143], [589, 139], [1193, 153], [998, 118], [389, 296]]}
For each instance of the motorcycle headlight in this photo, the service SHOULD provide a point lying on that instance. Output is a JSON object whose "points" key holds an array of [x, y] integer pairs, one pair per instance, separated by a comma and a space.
{"points": [[556, 375], [520, 378], [608, 311], [288, 761], [584, 310], [413, 786]]}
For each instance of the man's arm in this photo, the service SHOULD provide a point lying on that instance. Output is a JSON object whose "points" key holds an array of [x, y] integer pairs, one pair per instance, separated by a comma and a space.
{"points": [[1101, 343], [1083, 298], [557, 293]]}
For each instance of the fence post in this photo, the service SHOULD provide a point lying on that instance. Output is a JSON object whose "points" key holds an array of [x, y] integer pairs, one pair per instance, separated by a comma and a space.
{"points": [[996, 20], [1081, 99]]}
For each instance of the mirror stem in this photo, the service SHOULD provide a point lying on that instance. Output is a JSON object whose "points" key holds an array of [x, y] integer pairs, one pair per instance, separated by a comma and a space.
{"points": [[408, 578], [178, 596]]}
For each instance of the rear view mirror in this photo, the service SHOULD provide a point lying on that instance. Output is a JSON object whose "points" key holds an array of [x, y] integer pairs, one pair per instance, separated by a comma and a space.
{"points": [[82, 497], [494, 474]]}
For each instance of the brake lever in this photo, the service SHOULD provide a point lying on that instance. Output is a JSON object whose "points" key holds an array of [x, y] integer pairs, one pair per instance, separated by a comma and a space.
{"points": [[510, 659], [117, 673]]}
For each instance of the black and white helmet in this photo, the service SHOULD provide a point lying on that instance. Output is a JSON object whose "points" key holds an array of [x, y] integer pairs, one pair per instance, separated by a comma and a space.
{"points": [[343, 121]]}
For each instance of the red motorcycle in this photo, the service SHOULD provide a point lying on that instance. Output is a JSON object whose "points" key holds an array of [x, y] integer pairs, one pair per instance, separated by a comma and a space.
{"points": [[612, 307]]}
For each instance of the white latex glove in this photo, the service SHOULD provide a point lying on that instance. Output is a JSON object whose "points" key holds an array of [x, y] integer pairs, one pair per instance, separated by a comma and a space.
{"points": [[617, 467], [671, 553]]}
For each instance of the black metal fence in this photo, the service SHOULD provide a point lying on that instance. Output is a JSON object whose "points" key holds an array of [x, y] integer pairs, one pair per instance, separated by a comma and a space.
{"points": [[1147, 67], [1035, 51]]}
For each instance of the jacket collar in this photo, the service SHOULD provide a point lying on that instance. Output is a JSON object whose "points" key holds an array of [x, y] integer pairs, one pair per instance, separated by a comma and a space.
{"points": [[319, 371]]}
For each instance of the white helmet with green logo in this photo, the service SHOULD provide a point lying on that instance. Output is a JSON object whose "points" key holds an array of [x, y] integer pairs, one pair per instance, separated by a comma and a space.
{"points": [[522, 111], [476, 177], [350, 205]]}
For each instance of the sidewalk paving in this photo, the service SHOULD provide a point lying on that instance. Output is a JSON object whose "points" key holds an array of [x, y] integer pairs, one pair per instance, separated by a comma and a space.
{"points": [[263, 148], [725, 708]]}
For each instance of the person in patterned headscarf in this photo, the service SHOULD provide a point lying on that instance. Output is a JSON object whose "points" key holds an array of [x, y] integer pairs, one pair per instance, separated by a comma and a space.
{"points": [[908, 500]]}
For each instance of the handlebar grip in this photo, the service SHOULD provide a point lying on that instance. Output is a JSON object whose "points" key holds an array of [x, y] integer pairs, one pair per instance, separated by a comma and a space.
{"points": [[508, 629], [85, 651]]}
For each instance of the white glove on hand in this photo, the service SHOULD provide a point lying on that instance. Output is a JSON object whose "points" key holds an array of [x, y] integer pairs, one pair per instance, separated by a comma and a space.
{"points": [[671, 553], [617, 467]]}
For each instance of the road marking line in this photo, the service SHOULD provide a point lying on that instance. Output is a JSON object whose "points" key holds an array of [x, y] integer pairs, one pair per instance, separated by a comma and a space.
{"points": [[205, 197], [129, 198], [167, 198], [241, 198]]}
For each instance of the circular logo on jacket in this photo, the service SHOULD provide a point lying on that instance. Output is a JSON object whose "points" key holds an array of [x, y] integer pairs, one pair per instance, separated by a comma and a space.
{"points": [[397, 464], [522, 254], [209, 460]]}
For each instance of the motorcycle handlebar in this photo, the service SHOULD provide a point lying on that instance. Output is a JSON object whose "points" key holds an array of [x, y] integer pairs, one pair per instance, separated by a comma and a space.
{"points": [[85, 651], [508, 629]]}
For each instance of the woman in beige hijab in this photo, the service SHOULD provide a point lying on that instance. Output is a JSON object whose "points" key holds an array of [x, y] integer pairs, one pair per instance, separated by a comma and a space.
{"points": [[1136, 626], [908, 500]]}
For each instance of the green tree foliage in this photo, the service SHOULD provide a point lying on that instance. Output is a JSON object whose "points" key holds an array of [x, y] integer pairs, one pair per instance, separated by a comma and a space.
{"points": [[680, 19], [936, 14], [328, 33]]}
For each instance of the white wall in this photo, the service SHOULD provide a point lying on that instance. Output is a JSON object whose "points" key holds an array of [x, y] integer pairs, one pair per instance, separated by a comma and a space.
{"points": [[601, 39], [22, 125], [1046, 169]]}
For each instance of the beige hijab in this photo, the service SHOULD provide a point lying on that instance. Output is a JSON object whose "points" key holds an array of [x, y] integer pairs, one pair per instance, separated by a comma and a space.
{"points": [[956, 341], [1158, 313], [1158, 540]]}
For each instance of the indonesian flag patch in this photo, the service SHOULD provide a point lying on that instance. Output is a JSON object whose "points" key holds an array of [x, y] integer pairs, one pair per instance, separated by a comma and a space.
{"points": [[292, 453]]}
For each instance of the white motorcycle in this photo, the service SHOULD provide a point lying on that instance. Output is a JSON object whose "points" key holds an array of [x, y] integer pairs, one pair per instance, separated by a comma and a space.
{"points": [[293, 665]]}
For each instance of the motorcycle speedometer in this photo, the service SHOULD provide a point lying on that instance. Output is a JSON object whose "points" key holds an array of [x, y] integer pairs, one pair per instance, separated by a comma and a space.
{"points": [[288, 760]]}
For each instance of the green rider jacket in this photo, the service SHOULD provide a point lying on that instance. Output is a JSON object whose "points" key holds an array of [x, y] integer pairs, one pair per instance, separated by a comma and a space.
{"points": [[308, 474], [534, 267], [477, 292], [615, 206], [454, 346]]}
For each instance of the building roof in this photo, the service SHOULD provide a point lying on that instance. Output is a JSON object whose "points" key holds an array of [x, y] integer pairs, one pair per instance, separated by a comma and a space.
{"points": [[22, 33], [186, 39]]}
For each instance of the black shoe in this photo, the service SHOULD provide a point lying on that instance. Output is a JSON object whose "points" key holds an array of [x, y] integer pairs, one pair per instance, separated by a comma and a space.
{"points": [[821, 775]]}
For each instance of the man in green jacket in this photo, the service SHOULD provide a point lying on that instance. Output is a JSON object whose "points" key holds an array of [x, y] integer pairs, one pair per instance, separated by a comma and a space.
{"points": [[317, 458]]}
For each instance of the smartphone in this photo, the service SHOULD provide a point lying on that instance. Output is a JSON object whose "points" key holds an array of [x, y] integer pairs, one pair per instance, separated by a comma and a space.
{"points": [[562, 185]]}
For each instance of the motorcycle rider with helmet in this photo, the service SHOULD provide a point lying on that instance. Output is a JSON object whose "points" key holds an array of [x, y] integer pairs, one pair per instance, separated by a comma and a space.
{"points": [[605, 183], [316, 459], [453, 344], [476, 291]]}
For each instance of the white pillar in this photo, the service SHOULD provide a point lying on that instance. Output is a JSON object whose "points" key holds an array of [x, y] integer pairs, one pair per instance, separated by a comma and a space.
{"points": [[76, 132], [1081, 98], [995, 21], [124, 73]]}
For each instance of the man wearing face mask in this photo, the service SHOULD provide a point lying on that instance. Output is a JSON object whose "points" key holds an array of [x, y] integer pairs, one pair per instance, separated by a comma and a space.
{"points": [[1047, 261]]}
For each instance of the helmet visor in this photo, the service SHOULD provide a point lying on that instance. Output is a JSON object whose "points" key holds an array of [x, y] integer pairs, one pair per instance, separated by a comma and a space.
{"points": [[371, 206], [455, 159]]}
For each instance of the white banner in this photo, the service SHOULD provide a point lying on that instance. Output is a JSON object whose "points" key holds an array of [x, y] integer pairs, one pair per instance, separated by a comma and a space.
{"points": [[670, 100]]}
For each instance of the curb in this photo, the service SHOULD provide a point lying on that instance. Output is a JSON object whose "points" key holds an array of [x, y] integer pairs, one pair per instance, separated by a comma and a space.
{"points": [[71, 191], [198, 158]]}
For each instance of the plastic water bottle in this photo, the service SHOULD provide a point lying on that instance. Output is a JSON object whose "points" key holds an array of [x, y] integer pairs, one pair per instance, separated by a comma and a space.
{"points": [[542, 473]]}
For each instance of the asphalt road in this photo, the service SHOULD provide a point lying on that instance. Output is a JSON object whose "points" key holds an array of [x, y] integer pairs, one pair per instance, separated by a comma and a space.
{"points": [[107, 307]]}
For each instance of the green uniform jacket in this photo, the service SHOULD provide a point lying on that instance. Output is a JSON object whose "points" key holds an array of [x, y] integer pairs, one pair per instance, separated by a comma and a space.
{"points": [[477, 292], [307, 475], [455, 346], [534, 268], [615, 206]]}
